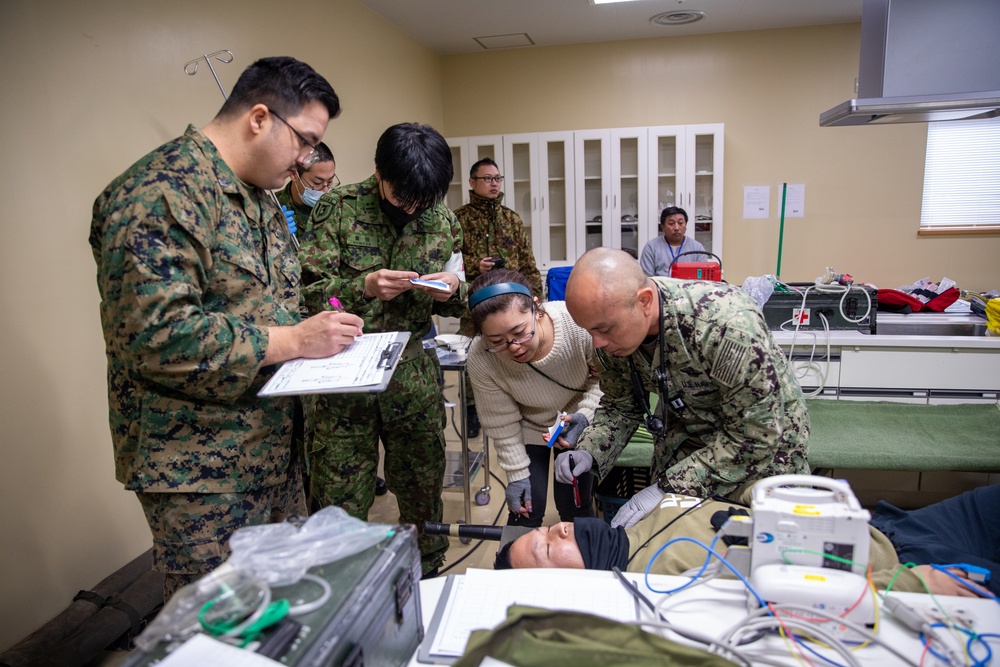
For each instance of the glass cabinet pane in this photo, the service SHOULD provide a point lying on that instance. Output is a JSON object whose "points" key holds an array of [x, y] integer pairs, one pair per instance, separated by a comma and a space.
{"points": [[517, 178], [593, 191], [702, 208], [666, 173], [457, 186], [628, 187], [555, 200]]}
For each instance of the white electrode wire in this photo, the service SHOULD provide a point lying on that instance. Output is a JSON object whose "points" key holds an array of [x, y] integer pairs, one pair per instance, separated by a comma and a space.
{"points": [[710, 573], [675, 604], [807, 628], [307, 607], [712, 643], [763, 611], [713, 569], [823, 372], [811, 364], [844, 290], [868, 308]]}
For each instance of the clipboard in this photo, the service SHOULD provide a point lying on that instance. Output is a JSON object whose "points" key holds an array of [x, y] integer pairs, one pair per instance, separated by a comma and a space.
{"points": [[364, 367], [424, 653]]}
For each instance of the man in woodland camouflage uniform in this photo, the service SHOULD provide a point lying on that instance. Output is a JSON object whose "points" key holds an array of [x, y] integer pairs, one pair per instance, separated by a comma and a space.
{"points": [[307, 186], [732, 410], [363, 244], [199, 301], [493, 235]]}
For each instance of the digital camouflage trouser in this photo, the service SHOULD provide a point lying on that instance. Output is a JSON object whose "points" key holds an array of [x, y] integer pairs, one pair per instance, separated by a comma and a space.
{"points": [[191, 531], [409, 419]]}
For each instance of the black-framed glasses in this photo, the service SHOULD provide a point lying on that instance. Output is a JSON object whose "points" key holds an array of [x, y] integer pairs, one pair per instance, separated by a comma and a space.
{"points": [[313, 156], [516, 341], [488, 179]]}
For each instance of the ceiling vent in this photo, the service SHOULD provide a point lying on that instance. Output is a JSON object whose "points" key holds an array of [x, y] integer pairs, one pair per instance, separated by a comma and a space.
{"points": [[677, 18], [505, 41]]}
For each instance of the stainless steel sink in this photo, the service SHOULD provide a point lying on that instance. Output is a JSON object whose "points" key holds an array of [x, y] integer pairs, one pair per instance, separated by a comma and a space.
{"points": [[930, 328]]}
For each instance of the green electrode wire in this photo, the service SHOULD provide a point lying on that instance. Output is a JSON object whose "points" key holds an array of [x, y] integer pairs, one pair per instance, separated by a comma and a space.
{"points": [[781, 230]]}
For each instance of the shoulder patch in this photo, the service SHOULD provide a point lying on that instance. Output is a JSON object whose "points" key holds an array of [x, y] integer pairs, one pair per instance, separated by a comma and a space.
{"points": [[729, 361]]}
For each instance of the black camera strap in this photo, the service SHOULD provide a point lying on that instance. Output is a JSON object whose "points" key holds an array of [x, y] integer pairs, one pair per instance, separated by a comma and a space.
{"points": [[549, 377]]}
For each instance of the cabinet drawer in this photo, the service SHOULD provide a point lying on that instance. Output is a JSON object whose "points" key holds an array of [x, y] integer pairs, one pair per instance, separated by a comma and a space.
{"points": [[920, 368]]}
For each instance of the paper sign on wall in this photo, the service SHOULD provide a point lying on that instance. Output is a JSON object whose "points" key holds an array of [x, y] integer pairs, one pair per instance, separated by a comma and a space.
{"points": [[795, 201], [756, 201]]}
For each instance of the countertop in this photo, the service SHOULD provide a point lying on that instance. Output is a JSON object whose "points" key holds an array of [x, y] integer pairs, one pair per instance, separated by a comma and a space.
{"points": [[859, 339]]}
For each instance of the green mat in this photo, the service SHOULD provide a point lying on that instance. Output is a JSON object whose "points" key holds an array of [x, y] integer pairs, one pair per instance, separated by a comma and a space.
{"points": [[901, 436], [876, 435]]}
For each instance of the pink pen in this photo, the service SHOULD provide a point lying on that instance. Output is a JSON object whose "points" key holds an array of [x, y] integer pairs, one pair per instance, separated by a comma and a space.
{"points": [[339, 308]]}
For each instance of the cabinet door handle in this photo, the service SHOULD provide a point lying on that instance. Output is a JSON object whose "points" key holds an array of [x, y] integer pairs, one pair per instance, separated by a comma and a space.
{"points": [[605, 201], [543, 203], [534, 203], [614, 201]]}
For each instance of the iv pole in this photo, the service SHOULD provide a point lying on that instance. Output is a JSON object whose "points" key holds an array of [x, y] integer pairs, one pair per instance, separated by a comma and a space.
{"points": [[191, 66], [226, 56]]}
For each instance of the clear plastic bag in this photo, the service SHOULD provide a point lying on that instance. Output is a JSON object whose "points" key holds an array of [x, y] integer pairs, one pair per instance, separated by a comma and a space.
{"points": [[241, 593], [280, 553], [276, 554], [760, 288]]}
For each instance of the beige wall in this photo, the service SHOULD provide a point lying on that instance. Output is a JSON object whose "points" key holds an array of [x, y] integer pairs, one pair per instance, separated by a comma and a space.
{"points": [[88, 87], [863, 185]]}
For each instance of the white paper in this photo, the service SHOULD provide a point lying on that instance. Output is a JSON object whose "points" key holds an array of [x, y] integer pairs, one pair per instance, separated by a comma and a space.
{"points": [[433, 284], [756, 201], [479, 600], [203, 650], [357, 366], [795, 200]]}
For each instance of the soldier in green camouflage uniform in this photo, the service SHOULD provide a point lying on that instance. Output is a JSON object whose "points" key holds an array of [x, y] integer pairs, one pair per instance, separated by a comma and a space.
{"points": [[308, 185], [363, 244], [491, 231], [199, 292], [732, 408]]}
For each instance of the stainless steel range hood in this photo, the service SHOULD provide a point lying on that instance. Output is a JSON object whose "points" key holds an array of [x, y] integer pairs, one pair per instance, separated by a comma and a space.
{"points": [[925, 60]]}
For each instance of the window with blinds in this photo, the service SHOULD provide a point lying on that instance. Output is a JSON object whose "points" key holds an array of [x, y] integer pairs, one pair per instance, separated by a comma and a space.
{"points": [[962, 177]]}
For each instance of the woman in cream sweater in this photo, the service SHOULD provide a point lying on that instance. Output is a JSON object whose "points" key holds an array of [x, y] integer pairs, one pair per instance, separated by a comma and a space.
{"points": [[528, 364]]}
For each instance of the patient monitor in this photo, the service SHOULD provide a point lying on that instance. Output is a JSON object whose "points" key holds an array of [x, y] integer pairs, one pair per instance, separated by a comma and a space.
{"points": [[809, 545]]}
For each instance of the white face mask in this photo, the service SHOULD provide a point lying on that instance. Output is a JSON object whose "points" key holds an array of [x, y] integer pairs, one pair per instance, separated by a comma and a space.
{"points": [[309, 196]]}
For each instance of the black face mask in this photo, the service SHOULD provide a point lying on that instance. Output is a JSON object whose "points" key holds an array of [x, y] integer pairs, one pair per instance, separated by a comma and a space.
{"points": [[601, 546], [396, 214]]}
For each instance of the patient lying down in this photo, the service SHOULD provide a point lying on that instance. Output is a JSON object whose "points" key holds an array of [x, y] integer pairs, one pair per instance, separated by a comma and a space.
{"points": [[962, 529]]}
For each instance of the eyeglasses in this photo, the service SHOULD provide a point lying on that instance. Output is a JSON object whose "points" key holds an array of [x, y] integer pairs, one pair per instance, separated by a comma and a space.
{"points": [[322, 185], [488, 179], [312, 157], [517, 341]]}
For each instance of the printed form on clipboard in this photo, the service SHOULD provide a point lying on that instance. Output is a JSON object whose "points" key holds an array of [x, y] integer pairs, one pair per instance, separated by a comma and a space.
{"points": [[366, 366]]}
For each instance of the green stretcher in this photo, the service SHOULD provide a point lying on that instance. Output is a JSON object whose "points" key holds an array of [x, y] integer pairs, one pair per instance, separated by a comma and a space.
{"points": [[878, 435]]}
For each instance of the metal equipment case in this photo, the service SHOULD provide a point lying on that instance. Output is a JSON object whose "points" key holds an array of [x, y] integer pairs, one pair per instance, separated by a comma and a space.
{"points": [[372, 618], [782, 306]]}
